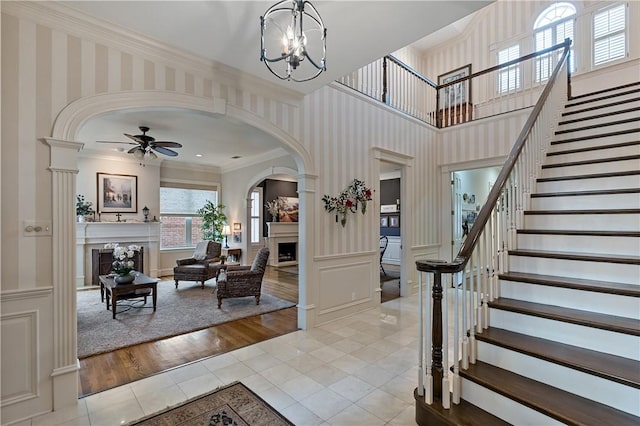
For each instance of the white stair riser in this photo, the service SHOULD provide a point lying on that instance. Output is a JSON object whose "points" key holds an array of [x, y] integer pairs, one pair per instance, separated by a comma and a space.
{"points": [[578, 104], [607, 129], [585, 169], [610, 110], [622, 151], [586, 202], [595, 339], [617, 182], [599, 271], [601, 222], [594, 142], [580, 244], [503, 407], [604, 121], [595, 388], [610, 304]]}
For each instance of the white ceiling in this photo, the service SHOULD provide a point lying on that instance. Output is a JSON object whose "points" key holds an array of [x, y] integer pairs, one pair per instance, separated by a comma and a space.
{"points": [[358, 32]]}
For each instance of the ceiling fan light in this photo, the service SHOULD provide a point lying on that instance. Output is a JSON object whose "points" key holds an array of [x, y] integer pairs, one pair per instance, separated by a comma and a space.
{"points": [[152, 155], [139, 153]]}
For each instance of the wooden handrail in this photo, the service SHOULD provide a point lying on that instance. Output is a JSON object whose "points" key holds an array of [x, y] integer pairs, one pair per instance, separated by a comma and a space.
{"points": [[471, 241], [411, 70]]}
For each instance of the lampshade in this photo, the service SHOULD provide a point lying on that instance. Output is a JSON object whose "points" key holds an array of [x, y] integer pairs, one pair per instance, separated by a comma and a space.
{"points": [[139, 153], [287, 47], [226, 230]]}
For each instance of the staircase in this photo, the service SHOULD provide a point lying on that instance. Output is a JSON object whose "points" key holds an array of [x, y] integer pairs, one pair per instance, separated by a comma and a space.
{"points": [[563, 345]]}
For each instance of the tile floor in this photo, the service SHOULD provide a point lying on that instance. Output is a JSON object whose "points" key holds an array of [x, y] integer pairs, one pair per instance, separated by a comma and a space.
{"points": [[356, 371]]}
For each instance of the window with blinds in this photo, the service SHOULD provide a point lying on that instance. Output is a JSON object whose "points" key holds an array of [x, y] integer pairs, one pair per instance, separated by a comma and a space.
{"points": [[509, 77], [179, 222], [553, 26], [609, 34], [256, 215]]}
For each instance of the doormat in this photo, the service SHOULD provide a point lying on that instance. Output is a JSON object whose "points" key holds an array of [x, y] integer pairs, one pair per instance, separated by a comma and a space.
{"points": [[234, 404]]}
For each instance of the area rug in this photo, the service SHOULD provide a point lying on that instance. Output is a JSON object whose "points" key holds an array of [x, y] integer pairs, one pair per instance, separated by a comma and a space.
{"points": [[234, 404], [391, 275], [187, 308]]}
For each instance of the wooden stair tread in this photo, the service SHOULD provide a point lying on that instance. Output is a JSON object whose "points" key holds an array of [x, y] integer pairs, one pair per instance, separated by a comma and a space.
{"points": [[594, 108], [590, 176], [610, 367], [597, 126], [579, 233], [571, 104], [608, 287], [588, 257], [586, 211], [623, 325], [607, 90], [593, 161], [596, 136], [588, 192], [593, 148], [594, 116], [553, 402], [464, 413]]}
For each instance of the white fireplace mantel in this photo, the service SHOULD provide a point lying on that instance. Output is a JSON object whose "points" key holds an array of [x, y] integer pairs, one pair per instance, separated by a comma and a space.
{"points": [[91, 235], [281, 232]]}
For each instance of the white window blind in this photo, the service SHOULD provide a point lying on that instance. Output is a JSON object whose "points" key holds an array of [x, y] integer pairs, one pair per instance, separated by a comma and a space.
{"points": [[553, 26], [609, 34], [509, 77]]}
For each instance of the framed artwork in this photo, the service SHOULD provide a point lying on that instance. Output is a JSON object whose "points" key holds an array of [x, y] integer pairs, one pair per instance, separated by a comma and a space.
{"points": [[289, 210], [456, 93], [394, 221], [237, 236], [237, 226], [384, 221], [117, 193]]}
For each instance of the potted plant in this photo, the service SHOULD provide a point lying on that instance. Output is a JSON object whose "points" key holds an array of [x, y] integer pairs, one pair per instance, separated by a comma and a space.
{"points": [[274, 207], [213, 219], [83, 208]]}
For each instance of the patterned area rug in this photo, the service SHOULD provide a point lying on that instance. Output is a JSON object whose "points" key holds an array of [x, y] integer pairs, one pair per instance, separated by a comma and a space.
{"points": [[187, 308], [234, 404]]}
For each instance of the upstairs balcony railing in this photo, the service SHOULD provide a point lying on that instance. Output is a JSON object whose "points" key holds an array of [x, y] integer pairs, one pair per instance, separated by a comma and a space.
{"points": [[461, 96]]}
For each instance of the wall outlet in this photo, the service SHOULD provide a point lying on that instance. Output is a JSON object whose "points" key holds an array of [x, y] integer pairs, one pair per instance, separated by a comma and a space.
{"points": [[353, 296]]}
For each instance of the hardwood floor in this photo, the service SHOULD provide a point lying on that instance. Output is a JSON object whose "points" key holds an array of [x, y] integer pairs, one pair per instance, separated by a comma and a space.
{"points": [[122, 366]]}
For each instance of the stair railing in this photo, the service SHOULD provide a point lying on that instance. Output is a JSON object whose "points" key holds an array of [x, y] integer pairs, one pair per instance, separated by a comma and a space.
{"points": [[483, 255], [506, 87]]}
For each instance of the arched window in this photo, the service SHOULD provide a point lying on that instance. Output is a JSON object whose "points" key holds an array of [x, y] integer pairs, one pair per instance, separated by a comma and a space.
{"points": [[553, 26]]}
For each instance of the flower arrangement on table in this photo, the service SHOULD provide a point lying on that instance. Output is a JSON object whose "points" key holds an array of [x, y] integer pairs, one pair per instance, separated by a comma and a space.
{"points": [[347, 201], [274, 207], [123, 262]]}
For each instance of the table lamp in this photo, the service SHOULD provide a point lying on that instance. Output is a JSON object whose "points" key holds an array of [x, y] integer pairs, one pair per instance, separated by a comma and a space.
{"points": [[226, 230]]}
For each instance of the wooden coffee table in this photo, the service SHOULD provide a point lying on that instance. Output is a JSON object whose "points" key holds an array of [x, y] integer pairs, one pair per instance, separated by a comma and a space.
{"points": [[142, 286]]}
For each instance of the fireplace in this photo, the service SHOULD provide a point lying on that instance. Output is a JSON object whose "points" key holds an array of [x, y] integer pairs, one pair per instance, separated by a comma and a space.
{"points": [[287, 252], [283, 243]]}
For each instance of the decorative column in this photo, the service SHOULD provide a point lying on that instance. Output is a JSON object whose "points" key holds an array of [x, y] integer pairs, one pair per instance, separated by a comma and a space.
{"points": [[307, 287], [64, 167]]}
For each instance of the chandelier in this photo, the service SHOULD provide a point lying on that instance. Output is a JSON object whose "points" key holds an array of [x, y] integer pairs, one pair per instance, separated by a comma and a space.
{"points": [[292, 47]]}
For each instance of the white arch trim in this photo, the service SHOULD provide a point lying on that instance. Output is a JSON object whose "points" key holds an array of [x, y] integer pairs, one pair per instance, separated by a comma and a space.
{"points": [[74, 115]]}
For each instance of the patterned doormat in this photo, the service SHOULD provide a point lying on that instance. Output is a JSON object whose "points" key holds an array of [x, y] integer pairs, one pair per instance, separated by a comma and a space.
{"points": [[234, 404]]}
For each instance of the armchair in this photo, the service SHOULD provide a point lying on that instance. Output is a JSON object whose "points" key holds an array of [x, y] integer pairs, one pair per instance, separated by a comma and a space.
{"points": [[196, 267], [241, 281]]}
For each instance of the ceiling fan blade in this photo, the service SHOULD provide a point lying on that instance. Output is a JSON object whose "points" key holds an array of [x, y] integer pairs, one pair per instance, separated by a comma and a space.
{"points": [[165, 151], [167, 144], [127, 143], [134, 137]]}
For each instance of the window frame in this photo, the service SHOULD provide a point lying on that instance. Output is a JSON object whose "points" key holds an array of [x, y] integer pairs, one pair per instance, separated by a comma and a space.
{"points": [[539, 76], [507, 71], [624, 31], [256, 228]]}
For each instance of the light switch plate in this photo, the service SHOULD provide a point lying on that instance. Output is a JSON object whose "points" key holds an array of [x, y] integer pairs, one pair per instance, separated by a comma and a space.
{"points": [[36, 228]]}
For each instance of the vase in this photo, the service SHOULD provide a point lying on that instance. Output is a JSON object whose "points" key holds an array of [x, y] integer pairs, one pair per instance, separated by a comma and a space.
{"points": [[124, 279]]}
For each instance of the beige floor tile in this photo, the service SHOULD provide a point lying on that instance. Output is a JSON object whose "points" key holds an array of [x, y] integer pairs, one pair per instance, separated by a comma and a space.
{"points": [[301, 387], [382, 404], [117, 414], [66, 414], [301, 416], [201, 384], [352, 388], [161, 399], [355, 416], [326, 403]]}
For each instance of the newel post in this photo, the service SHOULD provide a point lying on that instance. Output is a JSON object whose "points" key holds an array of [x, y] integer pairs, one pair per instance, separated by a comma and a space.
{"points": [[436, 333]]}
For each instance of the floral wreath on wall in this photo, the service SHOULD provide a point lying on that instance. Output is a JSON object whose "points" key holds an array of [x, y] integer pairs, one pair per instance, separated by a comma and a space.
{"points": [[348, 200]]}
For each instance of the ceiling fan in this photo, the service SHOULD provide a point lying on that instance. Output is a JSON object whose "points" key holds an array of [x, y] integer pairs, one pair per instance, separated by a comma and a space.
{"points": [[147, 144]]}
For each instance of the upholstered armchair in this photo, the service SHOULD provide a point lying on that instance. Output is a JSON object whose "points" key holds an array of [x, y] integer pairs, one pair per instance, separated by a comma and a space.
{"points": [[241, 281], [196, 267]]}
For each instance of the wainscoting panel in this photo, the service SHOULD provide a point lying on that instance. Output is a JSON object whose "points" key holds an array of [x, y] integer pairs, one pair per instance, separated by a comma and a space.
{"points": [[19, 349]]}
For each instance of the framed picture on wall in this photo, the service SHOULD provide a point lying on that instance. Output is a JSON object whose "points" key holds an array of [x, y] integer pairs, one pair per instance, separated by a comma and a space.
{"points": [[237, 226], [237, 237], [384, 221], [394, 221], [456, 93], [117, 193]]}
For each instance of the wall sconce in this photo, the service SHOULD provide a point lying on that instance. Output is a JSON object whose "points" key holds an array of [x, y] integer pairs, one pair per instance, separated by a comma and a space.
{"points": [[292, 48], [226, 231]]}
